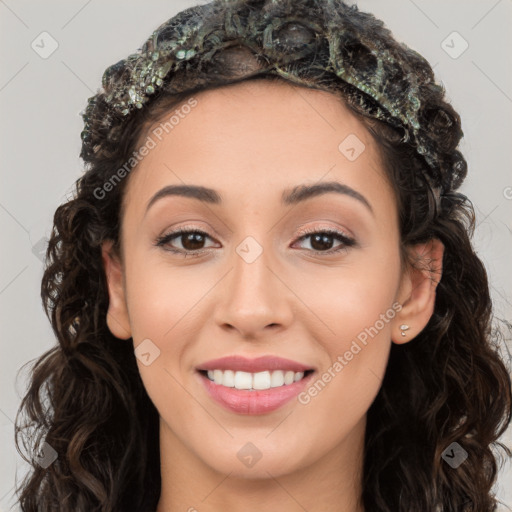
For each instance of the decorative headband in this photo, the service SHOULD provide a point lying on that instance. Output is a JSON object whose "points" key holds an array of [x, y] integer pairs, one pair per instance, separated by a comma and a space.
{"points": [[306, 41]]}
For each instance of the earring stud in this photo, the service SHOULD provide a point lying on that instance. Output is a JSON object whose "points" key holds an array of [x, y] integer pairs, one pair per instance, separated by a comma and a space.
{"points": [[404, 328]]}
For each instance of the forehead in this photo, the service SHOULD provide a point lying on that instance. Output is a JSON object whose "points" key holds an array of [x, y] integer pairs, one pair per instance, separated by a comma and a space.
{"points": [[257, 138]]}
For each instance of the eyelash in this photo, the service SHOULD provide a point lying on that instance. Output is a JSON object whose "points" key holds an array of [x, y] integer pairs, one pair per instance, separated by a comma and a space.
{"points": [[347, 242]]}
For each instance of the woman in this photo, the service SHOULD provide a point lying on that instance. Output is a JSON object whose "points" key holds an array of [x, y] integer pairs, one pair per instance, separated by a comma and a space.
{"points": [[264, 290]]}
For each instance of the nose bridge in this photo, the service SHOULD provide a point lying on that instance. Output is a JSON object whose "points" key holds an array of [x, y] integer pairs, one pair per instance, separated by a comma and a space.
{"points": [[254, 296], [253, 284]]}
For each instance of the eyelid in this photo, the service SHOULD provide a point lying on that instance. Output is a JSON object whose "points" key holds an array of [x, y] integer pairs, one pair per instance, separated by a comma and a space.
{"points": [[315, 229]]}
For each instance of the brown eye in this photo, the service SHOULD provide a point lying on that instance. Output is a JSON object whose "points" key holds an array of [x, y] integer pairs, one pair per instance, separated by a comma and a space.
{"points": [[322, 240], [191, 241]]}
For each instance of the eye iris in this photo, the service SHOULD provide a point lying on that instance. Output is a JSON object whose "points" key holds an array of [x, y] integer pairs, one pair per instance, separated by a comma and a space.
{"points": [[194, 238], [324, 240]]}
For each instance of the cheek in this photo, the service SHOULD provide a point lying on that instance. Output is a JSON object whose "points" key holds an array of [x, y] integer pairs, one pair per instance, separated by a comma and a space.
{"points": [[163, 305], [351, 296], [166, 306], [341, 394], [354, 308], [162, 297]]}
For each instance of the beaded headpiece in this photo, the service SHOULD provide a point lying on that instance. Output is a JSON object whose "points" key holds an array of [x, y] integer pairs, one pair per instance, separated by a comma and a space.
{"points": [[310, 42]]}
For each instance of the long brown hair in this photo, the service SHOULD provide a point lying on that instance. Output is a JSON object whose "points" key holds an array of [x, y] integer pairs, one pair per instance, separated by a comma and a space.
{"points": [[86, 399]]}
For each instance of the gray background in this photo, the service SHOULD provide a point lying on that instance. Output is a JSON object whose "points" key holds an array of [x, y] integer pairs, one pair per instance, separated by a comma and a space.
{"points": [[40, 102]]}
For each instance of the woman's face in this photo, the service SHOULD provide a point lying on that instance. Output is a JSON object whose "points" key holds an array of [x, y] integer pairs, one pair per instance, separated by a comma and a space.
{"points": [[255, 283]]}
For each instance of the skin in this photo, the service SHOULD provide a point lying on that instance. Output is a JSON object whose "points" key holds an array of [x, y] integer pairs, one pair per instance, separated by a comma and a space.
{"points": [[249, 142]]}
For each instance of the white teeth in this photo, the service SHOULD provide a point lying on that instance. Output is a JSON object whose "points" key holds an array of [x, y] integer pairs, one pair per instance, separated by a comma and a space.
{"points": [[254, 381], [261, 380], [217, 376], [277, 379], [288, 377], [228, 378], [243, 380]]}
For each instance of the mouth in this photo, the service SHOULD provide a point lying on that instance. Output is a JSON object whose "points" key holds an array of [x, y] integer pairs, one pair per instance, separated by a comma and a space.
{"points": [[253, 394]]}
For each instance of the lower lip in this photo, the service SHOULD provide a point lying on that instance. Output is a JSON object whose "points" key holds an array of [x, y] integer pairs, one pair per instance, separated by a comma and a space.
{"points": [[243, 401]]}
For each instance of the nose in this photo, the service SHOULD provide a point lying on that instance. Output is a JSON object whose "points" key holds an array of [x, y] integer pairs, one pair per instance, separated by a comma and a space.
{"points": [[254, 298]]}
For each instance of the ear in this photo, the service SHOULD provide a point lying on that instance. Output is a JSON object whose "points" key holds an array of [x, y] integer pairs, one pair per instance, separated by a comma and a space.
{"points": [[117, 316], [418, 290]]}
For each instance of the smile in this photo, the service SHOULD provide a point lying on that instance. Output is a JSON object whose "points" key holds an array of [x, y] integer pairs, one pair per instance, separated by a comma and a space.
{"points": [[249, 400]]}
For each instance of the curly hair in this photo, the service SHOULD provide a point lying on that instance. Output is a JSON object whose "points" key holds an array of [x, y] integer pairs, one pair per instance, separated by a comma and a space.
{"points": [[86, 399]]}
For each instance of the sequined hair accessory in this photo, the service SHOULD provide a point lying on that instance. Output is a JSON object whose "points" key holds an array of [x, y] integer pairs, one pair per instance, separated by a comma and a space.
{"points": [[310, 42]]}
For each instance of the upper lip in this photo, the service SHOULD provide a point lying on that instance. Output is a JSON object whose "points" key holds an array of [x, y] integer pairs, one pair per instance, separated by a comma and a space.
{"points": [[259, 364]]}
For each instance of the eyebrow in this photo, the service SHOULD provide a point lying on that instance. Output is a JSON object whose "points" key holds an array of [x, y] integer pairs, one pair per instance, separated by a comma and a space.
{"points": [[291, 196]]}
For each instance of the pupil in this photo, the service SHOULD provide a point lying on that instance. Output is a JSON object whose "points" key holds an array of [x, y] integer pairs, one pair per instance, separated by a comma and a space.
{"points": [[194, 238], [324, 241]]}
